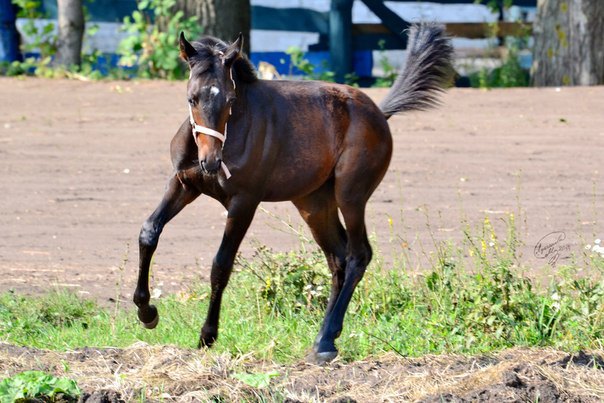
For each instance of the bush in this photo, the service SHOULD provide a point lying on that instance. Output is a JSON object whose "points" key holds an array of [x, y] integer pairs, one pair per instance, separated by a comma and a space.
{"points": [[151, 49]]}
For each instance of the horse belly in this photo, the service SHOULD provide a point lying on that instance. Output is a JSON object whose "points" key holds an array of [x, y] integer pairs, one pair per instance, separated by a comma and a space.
{"points": [[300, 173]]}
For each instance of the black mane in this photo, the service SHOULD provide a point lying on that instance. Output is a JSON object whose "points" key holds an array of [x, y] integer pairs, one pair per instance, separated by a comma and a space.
{"points": [[208, 48]]}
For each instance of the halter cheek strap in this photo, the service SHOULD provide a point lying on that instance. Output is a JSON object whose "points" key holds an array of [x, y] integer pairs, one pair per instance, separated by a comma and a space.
{"points": [[210, 132]]}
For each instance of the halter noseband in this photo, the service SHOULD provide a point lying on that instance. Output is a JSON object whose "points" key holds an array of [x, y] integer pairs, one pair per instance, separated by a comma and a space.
{"points": [[205, 130], [211, 132]]}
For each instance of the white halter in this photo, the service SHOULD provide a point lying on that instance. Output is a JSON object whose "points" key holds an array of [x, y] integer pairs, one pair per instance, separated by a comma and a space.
{"points": [[206, 130], [211, 132]]}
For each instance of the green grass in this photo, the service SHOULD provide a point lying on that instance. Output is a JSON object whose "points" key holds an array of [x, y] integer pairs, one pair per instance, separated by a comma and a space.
{"points": [[274, 305]]}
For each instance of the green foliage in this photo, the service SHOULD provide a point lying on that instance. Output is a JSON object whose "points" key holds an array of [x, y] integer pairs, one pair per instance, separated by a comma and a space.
{"points": [[42, 39], [38, 385], [258, 381], [509, 74], [474, 299], [152, 48], [297, 281], [309, 70], [149, 51], [390, 72], [494, 5]]}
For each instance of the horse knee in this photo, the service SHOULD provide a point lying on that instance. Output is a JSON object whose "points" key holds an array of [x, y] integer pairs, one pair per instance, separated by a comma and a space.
{"points": [[149, 234]]}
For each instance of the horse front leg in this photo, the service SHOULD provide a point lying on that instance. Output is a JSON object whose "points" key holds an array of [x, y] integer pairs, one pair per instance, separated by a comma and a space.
{"points": [[177, 196], [240, 215]]}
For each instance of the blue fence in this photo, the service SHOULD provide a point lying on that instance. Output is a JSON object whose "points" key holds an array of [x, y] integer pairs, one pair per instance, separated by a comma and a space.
{"points": [[9, 37]]}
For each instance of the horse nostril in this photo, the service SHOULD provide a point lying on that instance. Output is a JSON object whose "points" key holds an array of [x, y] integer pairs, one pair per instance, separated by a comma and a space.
{"points": [[210, 167]]}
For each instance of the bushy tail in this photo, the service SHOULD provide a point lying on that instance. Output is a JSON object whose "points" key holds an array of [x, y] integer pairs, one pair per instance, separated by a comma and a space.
{"points": [[426, 73]]}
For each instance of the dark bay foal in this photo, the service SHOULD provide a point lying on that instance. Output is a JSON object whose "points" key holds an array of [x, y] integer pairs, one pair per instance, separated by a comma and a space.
{"points": [[324, 146]]}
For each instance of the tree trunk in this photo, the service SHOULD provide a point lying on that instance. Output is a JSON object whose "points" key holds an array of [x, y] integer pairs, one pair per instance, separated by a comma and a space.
{"points": [[71, 32], [224, 19], [569, 43]]}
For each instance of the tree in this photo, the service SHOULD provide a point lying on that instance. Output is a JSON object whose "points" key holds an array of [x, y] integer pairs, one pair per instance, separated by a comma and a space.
{"points": [[224, 19], [569, 43], [71, 32]]}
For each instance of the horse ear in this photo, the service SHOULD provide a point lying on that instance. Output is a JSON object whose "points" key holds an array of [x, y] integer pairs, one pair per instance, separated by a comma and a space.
{"points": [[186, 49], [234, 50]]}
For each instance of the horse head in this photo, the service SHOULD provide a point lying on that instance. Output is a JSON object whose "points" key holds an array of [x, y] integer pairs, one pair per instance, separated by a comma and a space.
{"points": [[211, 92]]}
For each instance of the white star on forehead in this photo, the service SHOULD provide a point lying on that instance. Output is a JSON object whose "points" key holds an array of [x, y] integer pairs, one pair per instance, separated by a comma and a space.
{"points": [[214, 90]]}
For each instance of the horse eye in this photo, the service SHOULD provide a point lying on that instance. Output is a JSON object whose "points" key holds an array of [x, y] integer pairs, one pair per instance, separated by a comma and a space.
{"points": [[191, 101], [231, 100]]}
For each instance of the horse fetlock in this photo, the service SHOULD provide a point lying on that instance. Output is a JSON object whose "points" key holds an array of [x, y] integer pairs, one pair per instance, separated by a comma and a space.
{"points": [[148, 316], [141, 298]]}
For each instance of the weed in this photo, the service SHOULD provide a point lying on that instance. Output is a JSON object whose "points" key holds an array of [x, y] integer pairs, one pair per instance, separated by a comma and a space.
{"points": [[38, 386], [258, 381], [509, 74], [290, 280]]}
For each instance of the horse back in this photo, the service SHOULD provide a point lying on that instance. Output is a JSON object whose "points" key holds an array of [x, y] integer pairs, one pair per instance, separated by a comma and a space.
{"points": [[307, 125]]}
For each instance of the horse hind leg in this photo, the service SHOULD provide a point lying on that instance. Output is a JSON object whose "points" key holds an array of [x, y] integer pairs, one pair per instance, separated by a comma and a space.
{"points": [[357, 176], [358, 256], [174, 200], [320, 212]]}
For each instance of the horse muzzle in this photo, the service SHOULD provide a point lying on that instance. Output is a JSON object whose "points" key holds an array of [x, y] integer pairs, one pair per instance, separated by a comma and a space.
{"points": [[211, 167]]}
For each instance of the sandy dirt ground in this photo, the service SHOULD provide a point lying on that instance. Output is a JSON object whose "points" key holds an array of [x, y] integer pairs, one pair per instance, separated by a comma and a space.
{"points": [[82, 164]]}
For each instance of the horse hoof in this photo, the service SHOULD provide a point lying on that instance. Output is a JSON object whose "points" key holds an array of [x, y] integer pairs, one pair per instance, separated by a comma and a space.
{"points": [[206, 342], [152, 324], [322, 358], [149, 317]]}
